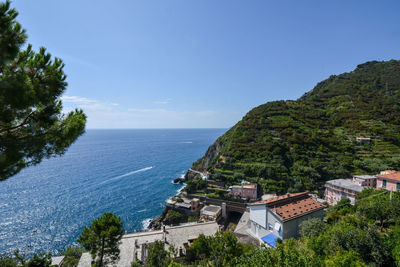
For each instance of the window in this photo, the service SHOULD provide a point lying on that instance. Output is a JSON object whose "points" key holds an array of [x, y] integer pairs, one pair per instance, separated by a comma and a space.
{"points": [[277, 227], [384, 184], [398, 187]]}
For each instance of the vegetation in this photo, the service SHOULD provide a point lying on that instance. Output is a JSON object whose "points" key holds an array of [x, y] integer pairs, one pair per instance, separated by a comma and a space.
{"points": [[102, 239], [195, 185], [297, 145], [220, 249], [72, 256], [174, 217], [32, 125], [312, 227], [157, 255], [38, 260]]}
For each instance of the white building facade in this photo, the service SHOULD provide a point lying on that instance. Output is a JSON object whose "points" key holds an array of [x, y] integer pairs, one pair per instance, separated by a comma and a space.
{"points": [[280, 217]]}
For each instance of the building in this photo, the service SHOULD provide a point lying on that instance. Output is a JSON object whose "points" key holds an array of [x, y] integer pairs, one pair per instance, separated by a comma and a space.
{"points": [[339, 189], [363, 140], [134, 246], [247, 191], [195, 204], [280, 217], [365, 180], [205, 175], [242, 231], [184, 206], [210, 213], [389, 180]]}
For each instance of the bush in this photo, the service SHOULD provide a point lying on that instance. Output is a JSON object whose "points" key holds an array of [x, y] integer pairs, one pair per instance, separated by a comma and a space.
{"points": [[312, 227], [173, 217], [72, 256]]}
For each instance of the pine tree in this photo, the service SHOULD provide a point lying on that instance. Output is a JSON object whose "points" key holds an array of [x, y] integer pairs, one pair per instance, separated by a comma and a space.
{"points": [[32, 124], [102, 238]]}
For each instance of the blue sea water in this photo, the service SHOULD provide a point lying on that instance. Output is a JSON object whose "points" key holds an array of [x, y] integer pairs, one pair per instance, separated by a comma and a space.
{"points": [[129, 172]]}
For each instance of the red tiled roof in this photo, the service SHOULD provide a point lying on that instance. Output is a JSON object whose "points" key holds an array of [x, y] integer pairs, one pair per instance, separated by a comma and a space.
{"points": [[278, 198], [391, 176], [296, 207], [293, 205]]}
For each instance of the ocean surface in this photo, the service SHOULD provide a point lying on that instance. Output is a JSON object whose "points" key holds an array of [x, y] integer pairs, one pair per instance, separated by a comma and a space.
{"points": [[129, 172]]}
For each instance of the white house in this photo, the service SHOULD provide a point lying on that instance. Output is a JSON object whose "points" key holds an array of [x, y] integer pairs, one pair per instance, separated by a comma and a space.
{"points": [[281, 216]]}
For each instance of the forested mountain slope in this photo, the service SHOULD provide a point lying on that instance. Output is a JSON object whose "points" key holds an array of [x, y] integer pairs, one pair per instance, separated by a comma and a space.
{"points": [[296, 145]]}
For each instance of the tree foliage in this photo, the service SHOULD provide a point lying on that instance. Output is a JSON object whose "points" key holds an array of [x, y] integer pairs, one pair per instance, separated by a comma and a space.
{"points": [[102, 238], [32, 124], [17, 259], [173, 217], [221, 249], [157, 256], [312, 227], [72, 256]]}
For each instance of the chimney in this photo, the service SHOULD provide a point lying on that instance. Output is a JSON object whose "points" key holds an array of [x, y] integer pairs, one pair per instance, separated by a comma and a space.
{"points": [[287, 194]]}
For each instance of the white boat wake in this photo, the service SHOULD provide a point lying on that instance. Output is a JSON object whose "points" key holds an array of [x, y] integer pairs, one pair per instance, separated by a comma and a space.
{"points": [[127, 174]]}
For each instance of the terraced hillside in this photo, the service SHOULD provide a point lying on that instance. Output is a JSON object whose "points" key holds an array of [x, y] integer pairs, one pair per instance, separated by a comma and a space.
{"points": [[296, 145]]}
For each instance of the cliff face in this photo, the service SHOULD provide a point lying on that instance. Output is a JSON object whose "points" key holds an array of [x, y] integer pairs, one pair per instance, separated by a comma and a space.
{"points": [[294, 145], [206, 162]]}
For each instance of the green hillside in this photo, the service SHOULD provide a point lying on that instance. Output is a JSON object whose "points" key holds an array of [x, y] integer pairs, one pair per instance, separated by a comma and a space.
{"points": [[297, 145]]}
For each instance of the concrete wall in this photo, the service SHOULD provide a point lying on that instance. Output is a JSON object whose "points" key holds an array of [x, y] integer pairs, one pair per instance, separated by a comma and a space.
{"points": [[333, 196], [272, 221], [258, 214], [258, 230], [365, 182], [291, 228], [250, 193], [390, 185]]}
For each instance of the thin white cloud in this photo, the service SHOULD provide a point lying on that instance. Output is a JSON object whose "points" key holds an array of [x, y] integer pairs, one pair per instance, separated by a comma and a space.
{"points": [[86, 103], [77, 100], [163, 102], [112, 115]]}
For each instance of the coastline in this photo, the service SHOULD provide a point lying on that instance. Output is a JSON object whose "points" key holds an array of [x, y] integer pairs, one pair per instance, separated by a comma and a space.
{"points": [[152, 224]]}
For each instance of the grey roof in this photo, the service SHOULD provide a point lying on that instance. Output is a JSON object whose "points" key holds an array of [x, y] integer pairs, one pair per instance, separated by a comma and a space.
{"points": [[365, 176], [346, 184], [210, 210], [183, 205], [85, 260], [242, 231], [178, 235], [243, 224], [56, 260]]}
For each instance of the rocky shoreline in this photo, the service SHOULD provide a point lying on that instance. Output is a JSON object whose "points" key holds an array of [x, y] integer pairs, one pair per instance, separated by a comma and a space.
{"points": [[156, 223]]}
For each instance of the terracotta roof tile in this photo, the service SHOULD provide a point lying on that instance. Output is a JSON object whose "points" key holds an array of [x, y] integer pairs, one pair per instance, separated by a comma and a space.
{"points": [[295, 208], [392, 176], [279, 198]]}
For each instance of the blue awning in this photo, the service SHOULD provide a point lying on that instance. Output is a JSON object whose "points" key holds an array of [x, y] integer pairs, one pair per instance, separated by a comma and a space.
{"points": [[270, 239]]}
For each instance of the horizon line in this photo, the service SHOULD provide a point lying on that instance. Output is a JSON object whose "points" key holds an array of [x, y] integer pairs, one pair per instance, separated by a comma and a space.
{"points": [[157, 128]]}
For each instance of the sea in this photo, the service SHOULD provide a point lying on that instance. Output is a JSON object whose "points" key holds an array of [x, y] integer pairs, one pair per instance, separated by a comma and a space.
{"points": [[45, 207]]}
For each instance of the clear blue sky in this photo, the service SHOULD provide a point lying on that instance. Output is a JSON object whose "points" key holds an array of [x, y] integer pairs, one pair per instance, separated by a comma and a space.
{"points": [[195, 64]]}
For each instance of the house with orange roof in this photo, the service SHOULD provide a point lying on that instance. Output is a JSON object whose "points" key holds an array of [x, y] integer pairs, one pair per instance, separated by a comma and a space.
{"points": [[389, 180], [280, 217]]}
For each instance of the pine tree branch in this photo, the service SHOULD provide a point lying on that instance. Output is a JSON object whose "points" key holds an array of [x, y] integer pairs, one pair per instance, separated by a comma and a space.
{"points": [[23, 123]]}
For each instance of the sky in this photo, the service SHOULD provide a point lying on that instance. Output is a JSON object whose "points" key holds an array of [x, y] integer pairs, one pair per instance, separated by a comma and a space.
{"points": [[204, 63]]}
